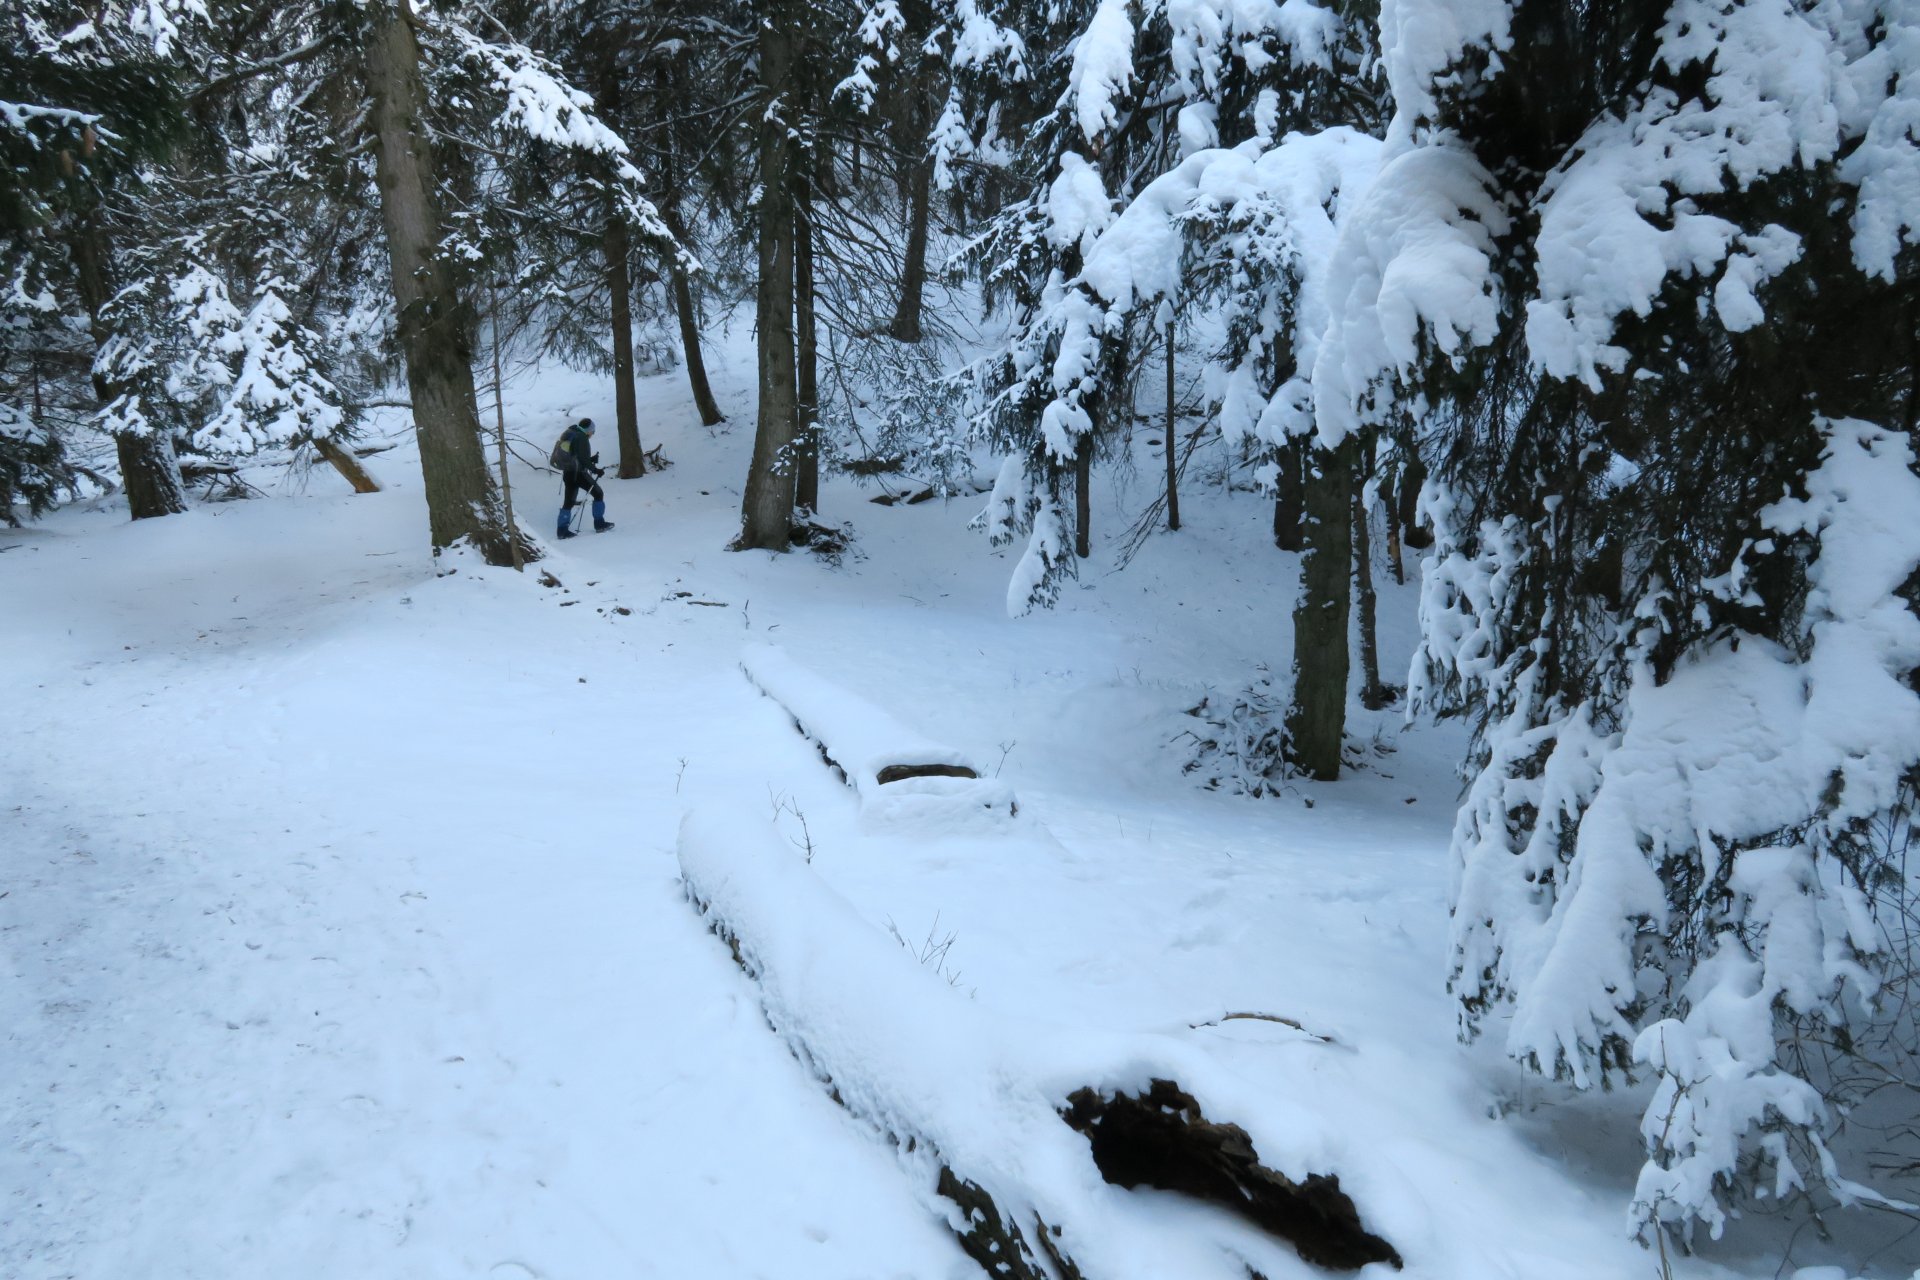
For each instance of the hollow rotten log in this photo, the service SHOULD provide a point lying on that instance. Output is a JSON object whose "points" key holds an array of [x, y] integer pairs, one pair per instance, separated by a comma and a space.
{"points": [[1018, 1135]]}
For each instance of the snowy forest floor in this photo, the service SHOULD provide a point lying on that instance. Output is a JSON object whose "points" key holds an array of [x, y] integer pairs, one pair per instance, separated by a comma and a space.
{"points": [[342, 932]]}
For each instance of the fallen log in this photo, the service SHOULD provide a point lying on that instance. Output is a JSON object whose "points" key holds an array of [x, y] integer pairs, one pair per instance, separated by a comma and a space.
{"points": [[898, 774], [347, 463], [1019, 1136]]}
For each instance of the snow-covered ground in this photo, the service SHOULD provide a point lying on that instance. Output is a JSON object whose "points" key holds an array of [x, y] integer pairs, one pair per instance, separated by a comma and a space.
{"points": [[342, 930]]}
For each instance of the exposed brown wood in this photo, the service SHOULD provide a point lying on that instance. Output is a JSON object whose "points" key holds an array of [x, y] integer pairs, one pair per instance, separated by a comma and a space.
{"points": [[344, 461], [1161, 1139], [897, 772]]}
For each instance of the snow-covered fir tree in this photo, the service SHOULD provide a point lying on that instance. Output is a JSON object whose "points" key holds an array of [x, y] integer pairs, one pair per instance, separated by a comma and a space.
{"points": [[1639, 274]]}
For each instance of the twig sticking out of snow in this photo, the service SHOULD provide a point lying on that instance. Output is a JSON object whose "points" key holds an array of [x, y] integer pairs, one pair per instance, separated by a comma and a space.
{"points": [[1264, 1017]]}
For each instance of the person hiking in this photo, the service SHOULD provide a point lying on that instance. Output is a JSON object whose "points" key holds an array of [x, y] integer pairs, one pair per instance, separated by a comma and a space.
{"points": [[580, 469]]}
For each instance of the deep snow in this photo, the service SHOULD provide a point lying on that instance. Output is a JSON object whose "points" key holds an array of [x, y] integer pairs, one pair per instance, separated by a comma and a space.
{"points": [[343, 935]]}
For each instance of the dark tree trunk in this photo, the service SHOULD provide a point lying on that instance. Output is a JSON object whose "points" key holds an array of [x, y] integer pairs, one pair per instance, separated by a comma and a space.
{"points": [[1412, 476], [149, 471], [1290, 489], [683, 307], [1373, 694], [435, 324], [766, 510], [626, 412], [1390, 508], [616, 244], [151, 475], [1317, 720], [1173, 491], [807, 355], [913, 268], [1083, 496]]}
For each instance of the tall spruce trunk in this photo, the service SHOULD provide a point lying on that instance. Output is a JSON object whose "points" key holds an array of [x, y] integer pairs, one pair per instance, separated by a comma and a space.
{"points": [[149, 471], [1373, 694], [689, 317], [435, 323], [626, 411], [1390, 510], [616, 245], [1173, 474], [807, 354], [913, 267], [1317, 720], [1290, 490], [1083, 496], [1412, 477], [766, 508]]}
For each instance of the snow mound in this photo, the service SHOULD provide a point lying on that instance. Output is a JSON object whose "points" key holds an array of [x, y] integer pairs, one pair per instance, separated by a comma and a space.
{"points": [[965, 1093]]}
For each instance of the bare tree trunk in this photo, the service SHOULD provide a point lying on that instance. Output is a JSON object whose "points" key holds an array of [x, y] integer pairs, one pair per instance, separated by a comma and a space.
{"points": [[807, 372], [435, 323], [1317, 720], [1083, 496], [1289, 502], [1373, 694], [347, 465], [149, 471], [1173, 492], [913, 268], [766, 510], [626, 413]]}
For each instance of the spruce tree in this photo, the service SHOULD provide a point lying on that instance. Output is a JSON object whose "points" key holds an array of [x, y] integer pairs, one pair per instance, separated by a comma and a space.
{"points": [[1644, 300]]}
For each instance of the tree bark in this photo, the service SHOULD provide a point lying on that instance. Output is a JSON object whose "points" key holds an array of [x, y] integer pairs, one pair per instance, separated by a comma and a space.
{"points": [[1412, 476], [1173, 491], [913, 267], [703, 400], [1390, 508], [435, 323], [149, 471], [766, 509], [347, 465], [626, 412], [1373, 694], [1317, 720], [1289, 501], [1083, 496], [807, 354]]}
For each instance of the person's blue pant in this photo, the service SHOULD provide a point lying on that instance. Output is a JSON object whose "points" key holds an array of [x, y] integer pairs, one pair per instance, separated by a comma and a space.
{"points": [[574, 486]]}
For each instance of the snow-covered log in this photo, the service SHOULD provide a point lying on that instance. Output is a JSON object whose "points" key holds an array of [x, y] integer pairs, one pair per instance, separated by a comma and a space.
{"points": [[1021, 1136], [896, 771]]}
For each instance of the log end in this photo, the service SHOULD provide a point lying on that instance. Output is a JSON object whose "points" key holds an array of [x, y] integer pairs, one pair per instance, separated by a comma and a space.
{"points": [[901, 772], [1162, 1140]]}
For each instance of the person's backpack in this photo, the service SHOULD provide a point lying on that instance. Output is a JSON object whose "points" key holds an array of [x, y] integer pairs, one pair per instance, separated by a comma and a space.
{"points": [[559, 458]]}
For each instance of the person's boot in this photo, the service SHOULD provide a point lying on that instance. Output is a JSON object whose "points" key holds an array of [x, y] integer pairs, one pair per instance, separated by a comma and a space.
{"points": [[566, 523], [600, 522]]}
